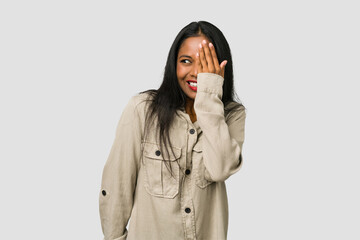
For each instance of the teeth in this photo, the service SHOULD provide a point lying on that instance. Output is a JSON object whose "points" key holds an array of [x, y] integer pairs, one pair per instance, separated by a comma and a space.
{"points": [[193, 84]]}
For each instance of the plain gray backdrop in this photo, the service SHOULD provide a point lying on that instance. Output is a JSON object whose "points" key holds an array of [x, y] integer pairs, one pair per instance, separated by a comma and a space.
{"points": [[67, 69]]}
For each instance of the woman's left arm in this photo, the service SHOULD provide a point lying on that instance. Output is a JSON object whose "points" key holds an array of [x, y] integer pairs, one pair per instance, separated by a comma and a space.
{"points": [[222, 141]]}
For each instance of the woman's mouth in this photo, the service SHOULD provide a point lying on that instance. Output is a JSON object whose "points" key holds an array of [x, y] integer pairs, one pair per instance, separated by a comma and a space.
{"points": [[192, 85]]}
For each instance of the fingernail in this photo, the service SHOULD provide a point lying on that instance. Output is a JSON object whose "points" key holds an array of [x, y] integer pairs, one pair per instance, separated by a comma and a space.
{"points": [[204, 41], [200, 45], [197, 54], [210, 45]]}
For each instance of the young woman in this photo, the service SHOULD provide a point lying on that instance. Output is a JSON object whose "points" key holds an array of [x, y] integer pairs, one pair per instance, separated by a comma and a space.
{"points": [[175, 146]]}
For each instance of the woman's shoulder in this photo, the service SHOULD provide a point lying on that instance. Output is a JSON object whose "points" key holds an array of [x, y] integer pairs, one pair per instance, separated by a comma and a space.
{"points": [[141, 100], [234, 106], [233, 109]]}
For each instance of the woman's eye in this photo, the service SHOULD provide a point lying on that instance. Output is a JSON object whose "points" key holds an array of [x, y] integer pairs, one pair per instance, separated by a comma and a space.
{"points": [[184, 61]]}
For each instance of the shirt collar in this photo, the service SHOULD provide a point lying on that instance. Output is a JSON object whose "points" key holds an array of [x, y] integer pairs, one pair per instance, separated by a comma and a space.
{"points": [[186, 116]]}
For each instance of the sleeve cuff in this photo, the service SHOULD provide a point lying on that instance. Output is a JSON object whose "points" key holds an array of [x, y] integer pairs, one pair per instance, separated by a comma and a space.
{"points": [[210, 83]]}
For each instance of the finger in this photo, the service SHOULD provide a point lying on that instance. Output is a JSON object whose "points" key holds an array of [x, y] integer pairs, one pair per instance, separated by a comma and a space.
{"points": [[222, 67], [208, 57], [215, 59], [202, 58], [198, 63]]}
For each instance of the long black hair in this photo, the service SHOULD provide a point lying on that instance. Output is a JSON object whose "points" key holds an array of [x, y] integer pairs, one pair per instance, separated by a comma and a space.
{"points": [[166, 100]]}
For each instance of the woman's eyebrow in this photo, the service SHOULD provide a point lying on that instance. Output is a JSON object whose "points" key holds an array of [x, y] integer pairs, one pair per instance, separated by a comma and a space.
{"points": [[185, 56]]}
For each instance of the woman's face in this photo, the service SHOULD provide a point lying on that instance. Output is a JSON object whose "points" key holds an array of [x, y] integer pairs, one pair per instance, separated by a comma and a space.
{"points": [[186, 67]]}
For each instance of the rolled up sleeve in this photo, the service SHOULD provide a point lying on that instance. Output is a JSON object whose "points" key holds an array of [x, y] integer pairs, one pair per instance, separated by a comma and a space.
{"points": [[222, 140], [119, 175]]}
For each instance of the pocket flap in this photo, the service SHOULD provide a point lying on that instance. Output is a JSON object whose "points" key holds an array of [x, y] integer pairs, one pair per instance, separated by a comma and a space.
{"points": [[151, 150]]}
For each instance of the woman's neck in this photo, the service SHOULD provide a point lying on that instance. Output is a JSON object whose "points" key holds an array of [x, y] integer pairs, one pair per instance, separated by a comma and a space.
{"points": [[190, 109]]}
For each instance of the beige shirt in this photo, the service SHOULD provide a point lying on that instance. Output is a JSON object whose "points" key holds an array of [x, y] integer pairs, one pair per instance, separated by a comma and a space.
{"points": [[192, 204]]}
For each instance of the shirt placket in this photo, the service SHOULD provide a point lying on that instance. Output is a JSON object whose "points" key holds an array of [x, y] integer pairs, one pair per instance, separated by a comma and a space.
{"points": [[187, 205]]}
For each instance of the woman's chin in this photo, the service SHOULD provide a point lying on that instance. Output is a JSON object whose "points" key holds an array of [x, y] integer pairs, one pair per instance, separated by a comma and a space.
{"points": [[191, 95]]}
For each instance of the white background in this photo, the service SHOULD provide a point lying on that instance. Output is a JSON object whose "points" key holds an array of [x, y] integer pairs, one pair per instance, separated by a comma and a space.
{"points": [[67, 69]]}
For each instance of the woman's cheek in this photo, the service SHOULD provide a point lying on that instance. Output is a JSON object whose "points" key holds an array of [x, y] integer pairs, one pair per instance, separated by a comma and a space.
{"points": [[180, 72]]}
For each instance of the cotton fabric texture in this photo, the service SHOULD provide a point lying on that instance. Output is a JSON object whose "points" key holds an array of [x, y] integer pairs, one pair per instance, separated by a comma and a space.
{"points": [[191, 205]]}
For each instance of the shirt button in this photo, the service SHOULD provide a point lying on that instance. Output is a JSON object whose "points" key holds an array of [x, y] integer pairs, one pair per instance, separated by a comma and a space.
{"points": [[192, 131], [157, 153], [187, 171], [187, 210], [103, 192]]}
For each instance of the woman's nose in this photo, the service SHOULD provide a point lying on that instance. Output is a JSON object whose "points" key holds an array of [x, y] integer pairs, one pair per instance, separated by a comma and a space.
{"points": [[194, 70]]}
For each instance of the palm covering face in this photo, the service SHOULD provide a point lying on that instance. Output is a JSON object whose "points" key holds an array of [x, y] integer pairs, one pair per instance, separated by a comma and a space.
{"points": [[207, 60]]}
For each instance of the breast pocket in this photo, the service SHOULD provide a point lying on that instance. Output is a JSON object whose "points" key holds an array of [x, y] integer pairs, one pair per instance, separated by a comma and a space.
{"points": [[199, 167], [158, 180]]}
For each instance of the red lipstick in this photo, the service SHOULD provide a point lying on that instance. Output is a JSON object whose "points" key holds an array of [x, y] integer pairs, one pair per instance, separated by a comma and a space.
{"points": [[194, 87]]}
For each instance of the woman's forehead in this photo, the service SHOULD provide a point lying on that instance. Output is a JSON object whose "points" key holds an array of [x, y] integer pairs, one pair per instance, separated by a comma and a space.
{"points": [[191, 44]]}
